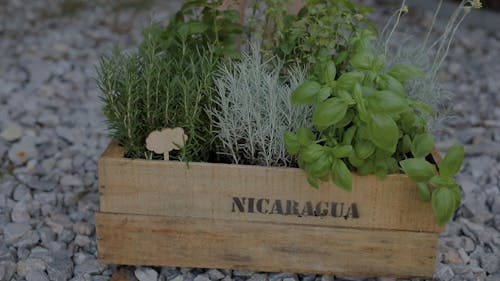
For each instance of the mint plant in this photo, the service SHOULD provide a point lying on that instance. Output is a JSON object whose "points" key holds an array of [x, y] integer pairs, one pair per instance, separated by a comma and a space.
{"points": [[365, 122]]}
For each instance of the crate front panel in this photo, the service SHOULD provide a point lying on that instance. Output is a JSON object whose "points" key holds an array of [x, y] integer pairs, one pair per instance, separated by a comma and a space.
{"points": [[250, 193], [263, 246]]}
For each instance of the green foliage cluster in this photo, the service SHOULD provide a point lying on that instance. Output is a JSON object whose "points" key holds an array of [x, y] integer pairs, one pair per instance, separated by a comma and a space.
{"points": [[355, 113], [365, 122], [168, 82], [322, 30]]}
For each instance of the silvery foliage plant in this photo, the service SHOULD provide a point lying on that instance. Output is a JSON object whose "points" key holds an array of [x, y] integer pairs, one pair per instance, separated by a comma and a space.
{"points": [[254, 109]]}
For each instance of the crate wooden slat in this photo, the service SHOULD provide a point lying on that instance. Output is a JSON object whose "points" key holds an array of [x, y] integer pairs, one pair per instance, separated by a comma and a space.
{"points": [[168, 214], [275, 247], [205, 190]]}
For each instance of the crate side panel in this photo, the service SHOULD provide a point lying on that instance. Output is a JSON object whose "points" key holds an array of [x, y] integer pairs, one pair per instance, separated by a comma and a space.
{"points": [[193, 242], [250, 193]]}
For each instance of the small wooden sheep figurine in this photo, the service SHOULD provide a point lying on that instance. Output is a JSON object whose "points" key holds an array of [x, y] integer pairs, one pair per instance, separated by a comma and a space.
{"points": [[166, 140]]}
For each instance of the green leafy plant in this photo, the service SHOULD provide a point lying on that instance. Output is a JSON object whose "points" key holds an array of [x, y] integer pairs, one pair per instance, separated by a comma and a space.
{"points": [[321, 30], [254, 109], [365, 122], [169, 82]]}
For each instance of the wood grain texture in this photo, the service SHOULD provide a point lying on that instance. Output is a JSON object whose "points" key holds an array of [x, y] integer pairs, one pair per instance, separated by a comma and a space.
{"points": [[205, 190], [274, 247]]}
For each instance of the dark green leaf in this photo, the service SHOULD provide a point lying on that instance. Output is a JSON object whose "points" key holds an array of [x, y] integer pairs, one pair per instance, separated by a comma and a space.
{"points": [[442, 181], [386, 102], [387, 82], [341, 175], [190, 28], [349, 135], [312, 152], [360, 103], [452, 162], [347, 80], [320, 168], [405, 72], [305, 136], [424, 192], [422, 145], [404, 145], [383, 132], [329, 73], [324, 93], [362, 60], [291, 143], [342, 151], [329, 112], [312, 180], [306, 93], [418, 169], [443, 203], [457, 192], [364, 149]]}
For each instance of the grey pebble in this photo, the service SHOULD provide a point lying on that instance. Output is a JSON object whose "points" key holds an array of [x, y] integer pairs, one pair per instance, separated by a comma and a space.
{"points": [[37, 275], [13, 232], [146, 274], [24, 266]]}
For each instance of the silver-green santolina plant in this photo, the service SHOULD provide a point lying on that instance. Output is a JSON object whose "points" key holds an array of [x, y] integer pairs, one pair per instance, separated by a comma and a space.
{"points": [[429, 55], [254, 109]]}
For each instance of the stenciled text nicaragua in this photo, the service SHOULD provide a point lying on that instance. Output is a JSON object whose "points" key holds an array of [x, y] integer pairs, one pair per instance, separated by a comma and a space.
{"points": [[295, 208]]}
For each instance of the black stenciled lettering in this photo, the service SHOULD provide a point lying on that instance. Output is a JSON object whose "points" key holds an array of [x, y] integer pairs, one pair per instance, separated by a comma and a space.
{"points": [[239, 203], [277, 207], [308, 209], [260, 208], [320, 211], [250, 205]]}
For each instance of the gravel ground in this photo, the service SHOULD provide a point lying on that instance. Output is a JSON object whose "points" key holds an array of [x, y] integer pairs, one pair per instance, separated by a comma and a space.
{"points": [[52, 131]]}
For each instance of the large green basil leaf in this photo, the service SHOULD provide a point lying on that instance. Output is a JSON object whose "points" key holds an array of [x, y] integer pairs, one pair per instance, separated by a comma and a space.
{"points": [[422, 145], [364, 149], [292, 144], [387, 102], [312, 152], [387, 82], [329, 112], [423, 191], [341, 151], [383, 132], [452, 162], [347, 80], [305, 136], [341, 175], [418, 169], [405, 72], [443, 202], [306, 93]]}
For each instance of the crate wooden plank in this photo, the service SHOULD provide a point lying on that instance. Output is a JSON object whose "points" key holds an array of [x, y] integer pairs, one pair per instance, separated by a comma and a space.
{"points": [[275, 247], [251, 193]]}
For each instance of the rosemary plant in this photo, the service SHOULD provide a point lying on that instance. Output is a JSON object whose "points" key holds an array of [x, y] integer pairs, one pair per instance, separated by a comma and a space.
{"points": [[254, 109], [168, 82]]}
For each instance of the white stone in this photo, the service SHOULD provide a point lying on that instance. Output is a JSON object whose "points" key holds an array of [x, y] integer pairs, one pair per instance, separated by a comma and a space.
{"points": [[25, 266], [20, 213], [82, 240], [13, 232], [71, 180], [12, 133], [21, 152], [146, 274], [201, 277]]}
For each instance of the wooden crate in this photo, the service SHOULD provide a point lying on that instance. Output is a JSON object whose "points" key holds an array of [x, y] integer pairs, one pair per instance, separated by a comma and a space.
{"points": [[164, 213]]}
